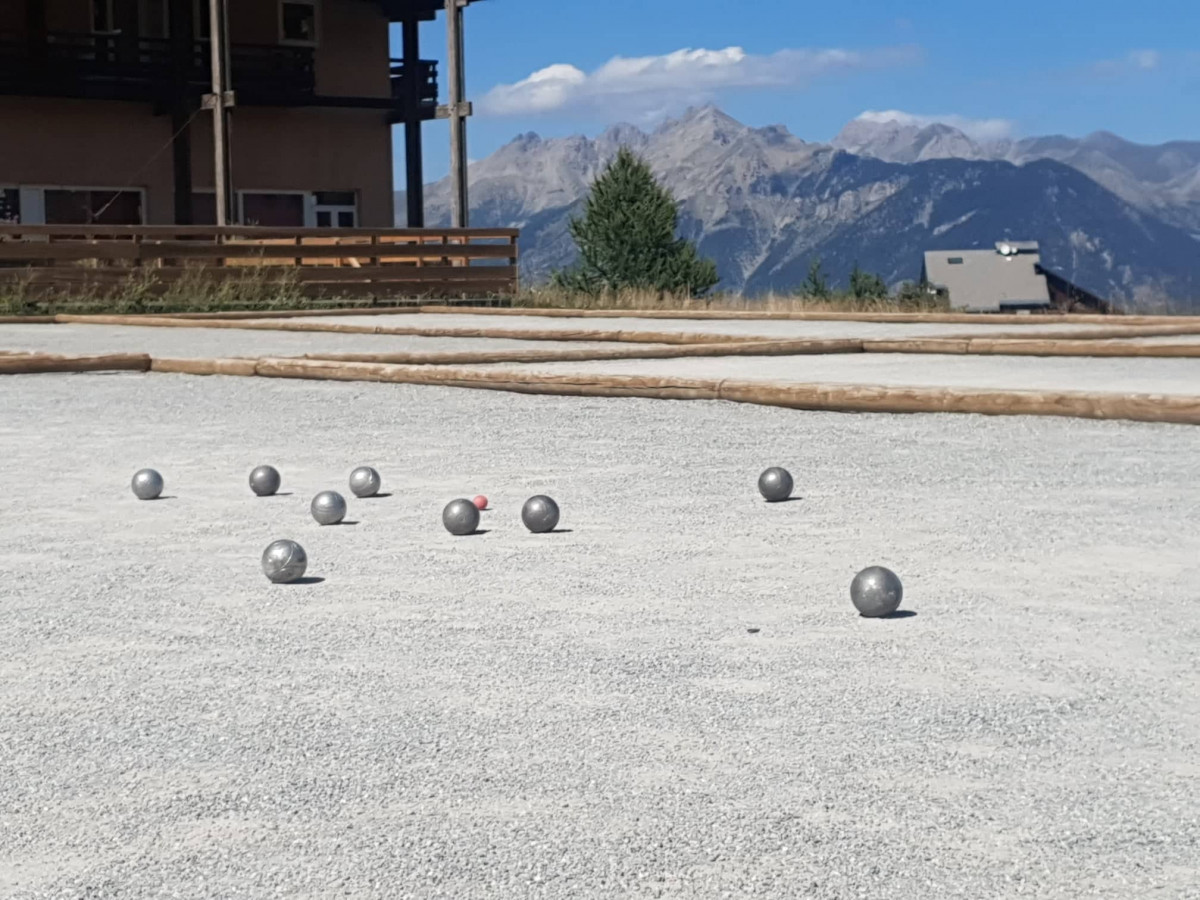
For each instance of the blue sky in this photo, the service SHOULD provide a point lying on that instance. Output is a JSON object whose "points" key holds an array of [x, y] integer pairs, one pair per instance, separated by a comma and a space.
{"points": [[1015, 67]]}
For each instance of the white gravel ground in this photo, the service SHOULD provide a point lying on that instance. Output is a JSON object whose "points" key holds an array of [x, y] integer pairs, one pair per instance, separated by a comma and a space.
{"points": [[1115, 374], [586, 714]]}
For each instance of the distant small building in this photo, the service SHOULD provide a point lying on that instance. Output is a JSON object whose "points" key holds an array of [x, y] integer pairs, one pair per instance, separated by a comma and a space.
{"points": [[1008, 278]]}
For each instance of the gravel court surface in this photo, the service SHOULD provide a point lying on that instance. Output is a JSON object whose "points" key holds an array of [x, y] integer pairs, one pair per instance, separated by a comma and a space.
{"points": [[768, 328], [214, 342], [585, 714], [1107, 374]]}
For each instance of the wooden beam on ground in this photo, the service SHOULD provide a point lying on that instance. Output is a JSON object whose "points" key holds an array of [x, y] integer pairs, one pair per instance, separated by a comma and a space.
{"points": [[38, 363], [945, 318], [823, 397], [1044, 348], [233, 366], [487, 357], [634, 337]]}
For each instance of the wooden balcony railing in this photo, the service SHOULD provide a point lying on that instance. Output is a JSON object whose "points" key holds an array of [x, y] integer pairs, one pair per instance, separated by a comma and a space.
{"points": [[347, 262], [149, 69], [427, 90]]}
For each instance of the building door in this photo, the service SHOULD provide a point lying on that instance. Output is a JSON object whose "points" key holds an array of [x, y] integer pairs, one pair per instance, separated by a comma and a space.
{"points": [[335, 209]]}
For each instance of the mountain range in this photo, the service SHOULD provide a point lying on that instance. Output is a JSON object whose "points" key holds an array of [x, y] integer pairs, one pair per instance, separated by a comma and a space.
{"points": [[1120, 219]]}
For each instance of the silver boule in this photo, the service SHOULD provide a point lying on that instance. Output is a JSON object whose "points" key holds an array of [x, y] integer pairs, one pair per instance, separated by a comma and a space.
{"points": [[328, 507], [461, 517], [265, 481], [876, 592], [540, 514], [147, 484], [284, 562], [775, 484], [365, 482]]}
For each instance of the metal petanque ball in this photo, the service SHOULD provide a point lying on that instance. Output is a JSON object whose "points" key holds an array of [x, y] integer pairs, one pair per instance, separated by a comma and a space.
{"points": [[460, 517], [876, 592], [775, 484], [365, 482], [540, 514], [329, 507], [265, 481], [147, 484], [284, 562]]}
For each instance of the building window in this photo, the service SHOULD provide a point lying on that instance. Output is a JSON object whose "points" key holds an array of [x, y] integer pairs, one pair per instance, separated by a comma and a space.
{"points": [[955, 260], [298, 22], [10, 206], [335, 209], [82, 206], [273, 210]]}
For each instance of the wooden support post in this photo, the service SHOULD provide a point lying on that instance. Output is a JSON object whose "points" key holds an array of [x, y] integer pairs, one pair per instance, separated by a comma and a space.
{"points": [[457, 109], [220, 101], [414, 177], [181, 27]]}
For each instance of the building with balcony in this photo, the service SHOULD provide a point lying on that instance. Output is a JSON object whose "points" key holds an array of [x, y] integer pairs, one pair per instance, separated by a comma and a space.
{"points": [[102, 118]]}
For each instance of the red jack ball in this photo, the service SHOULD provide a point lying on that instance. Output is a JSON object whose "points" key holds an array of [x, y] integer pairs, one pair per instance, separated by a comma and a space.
{"points": [[480, 502]]}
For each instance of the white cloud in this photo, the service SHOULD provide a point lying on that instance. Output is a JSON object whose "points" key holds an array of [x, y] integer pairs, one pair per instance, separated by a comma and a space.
{"points": [[977, 129], [645, 83], [1132, 62], [1145, 59]]}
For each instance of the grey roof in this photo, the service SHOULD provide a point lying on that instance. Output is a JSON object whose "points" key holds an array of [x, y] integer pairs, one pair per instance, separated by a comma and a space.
{"points": [[983, 280]]}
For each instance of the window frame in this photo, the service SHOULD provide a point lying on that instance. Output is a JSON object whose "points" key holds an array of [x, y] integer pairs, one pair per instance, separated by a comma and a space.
{"points": [[311, 207], [284, 40], [33, 198]]}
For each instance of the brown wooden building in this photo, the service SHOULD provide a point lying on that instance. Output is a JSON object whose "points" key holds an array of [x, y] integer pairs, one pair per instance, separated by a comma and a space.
{"points": [[101, 117]]}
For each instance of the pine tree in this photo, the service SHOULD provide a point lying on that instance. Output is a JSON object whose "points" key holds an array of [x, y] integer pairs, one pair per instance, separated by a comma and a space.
{"points": [[627, 237], [865, 286], [815, 286]]}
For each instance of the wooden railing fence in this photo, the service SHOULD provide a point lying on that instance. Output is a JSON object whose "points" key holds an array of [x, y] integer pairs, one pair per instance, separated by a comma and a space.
{"points": [[346, 262]]}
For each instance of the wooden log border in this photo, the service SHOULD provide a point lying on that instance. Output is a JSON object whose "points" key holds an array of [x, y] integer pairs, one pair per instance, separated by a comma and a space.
{"points": [[631, 337], [39, 363], [946, 318], [487, 357], [1093, 343], [825, 397], [640, 337]]}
